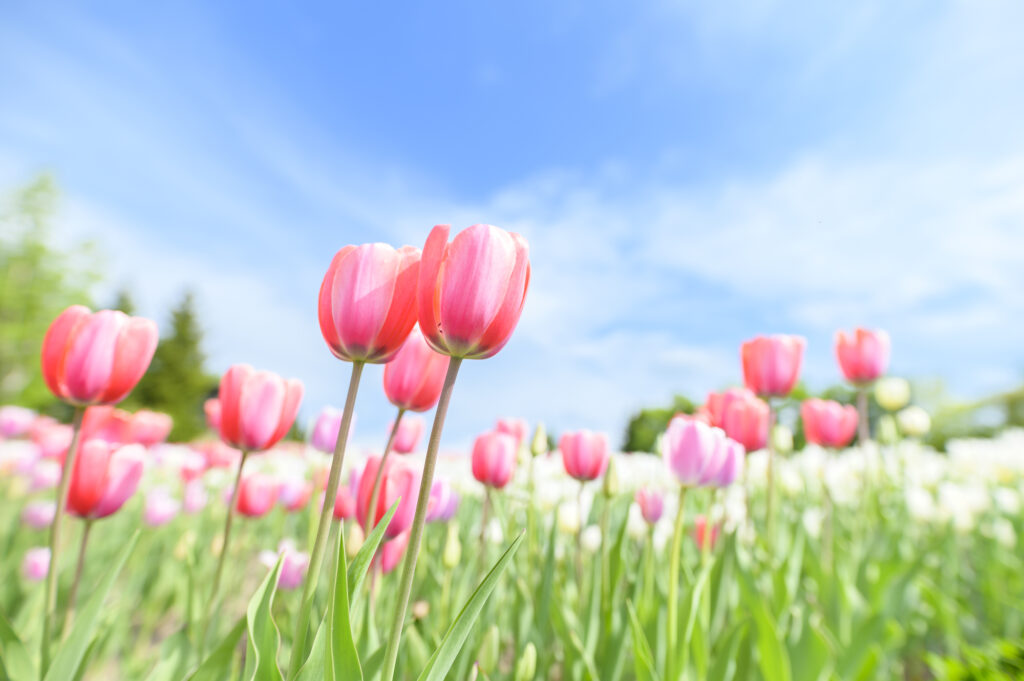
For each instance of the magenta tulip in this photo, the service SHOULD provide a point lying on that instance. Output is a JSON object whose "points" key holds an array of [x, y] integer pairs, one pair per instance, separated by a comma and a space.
{"points": [[864, 355], [36, 564], [651, 503], [325, 429], [257, 407], [15, 421], [828, 423], [494, 459], [584, 454], [771, 364], [472, 290], [444, 501], [410, 430], [294, 564], [413, 379]]}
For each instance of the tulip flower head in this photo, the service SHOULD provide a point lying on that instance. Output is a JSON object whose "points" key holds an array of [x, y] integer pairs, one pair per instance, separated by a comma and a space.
{"points": [[398, 481], [294, 564], [863, 355], [443, 503], [705, 533], [257, 407], [828, 423], [517, 428], [584, 454], [325, 430], [295, 493], [413, 379], [471, 291], [699, 454], [38, 514], [892, 393], [96, 358], [392, 551], [771, 364], [15, 421], [742, 416], [914, 421], [257, 494], [36, 564], [651, 503], [161, 508], [494, 459], [104, 477], [211, 408], [367, 301], [196, 497], [410, 430], [149, 428]]}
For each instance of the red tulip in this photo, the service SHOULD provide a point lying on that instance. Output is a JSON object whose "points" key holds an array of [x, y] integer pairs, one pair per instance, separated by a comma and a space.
{"points": [[413, 379], [472, 290], [104, 477], [741, 415], [344, 502], [494, 459], [257, 407], [211, 408], [96, 358], [771, 364], [257, 494], [368, 301], [410, 430], [864, 356], [149, 428], [704, 533], [828, 423], [399, 480], [584, 454]]}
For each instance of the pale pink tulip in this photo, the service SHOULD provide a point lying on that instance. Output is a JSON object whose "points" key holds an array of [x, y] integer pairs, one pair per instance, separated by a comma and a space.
{"points": [[325, 430], [413, 379], [211, 408], [828, 423], [771, 364], [45, 474], [517, 428], [294, 564], [53, 440], [864, 355], [410, 430], [195, 497], [257, 407], [584, 454], [39, 514], [149, 428], [161, 507], [694, 451], [494, 459], [651, 503], [295, 493], [443, 503], [15, 421], [36, 564]]}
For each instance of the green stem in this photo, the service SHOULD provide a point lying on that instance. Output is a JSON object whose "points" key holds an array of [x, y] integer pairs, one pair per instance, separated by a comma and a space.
{"points": [[770, 514], [485, 509], [316, 558], [49, 612], [673, 588], [579, 541], [225, 539], [79, 567], [416, 532], [371, 513]]}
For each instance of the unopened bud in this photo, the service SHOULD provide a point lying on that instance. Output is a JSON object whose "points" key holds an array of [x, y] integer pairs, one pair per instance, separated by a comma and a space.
{"points": [[539, 444], [526, 667], [886, 430], [891, 393], [610, 486], [782, 439], [490, 648], [452, 547], [420, 609], [354, 540]]}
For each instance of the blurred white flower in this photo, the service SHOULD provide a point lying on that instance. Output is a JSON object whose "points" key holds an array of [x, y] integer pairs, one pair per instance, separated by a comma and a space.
{"points": [[892, 393], [1002, 531], [591, 539], [914, 421], [812, 520], [568, 518]]}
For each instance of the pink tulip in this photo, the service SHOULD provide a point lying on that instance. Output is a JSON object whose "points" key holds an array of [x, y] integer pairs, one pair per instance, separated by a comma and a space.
{"points": [[104, 478], [344, 503], [257, 494], [149, 428], [584, 454], [864, 356], [391, 552], [410, 430], [39, 514], [368, 301], [494, 459], [295, 494], [294, 564], [36, 564], [828, 423], [257, 407], [413, 379], [325, 430], [15, 421], [161, 507], [472, 290], [651, 503], [694, 451], [96, 358], [53, 441], [517, 428], [443, 503], [211, 408], [399, 480], [107, 423], [704, 533], [45, 474], [742, 416], [730, 465], [196, 497], [771, 364]]}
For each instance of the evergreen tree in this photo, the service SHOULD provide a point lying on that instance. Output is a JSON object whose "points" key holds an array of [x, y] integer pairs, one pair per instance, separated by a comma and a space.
{"points": [[177, 383], [124, 302]]}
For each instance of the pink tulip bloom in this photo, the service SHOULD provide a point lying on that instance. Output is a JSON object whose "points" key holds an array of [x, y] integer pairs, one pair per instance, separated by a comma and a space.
{"points": [[36, 564], [367, 301], [771, 364], [651, 503], [584, 454], [161, 507], [472, 290], [742, 416], [443, 503], [410, 430], [864, 355], [391, 552], [517, 428], [693, 451], [294, 564], [344, 503], [211, 408], [494, 459], [107, 423], [413, 379], [45, 474], [828, 423], [295, 494], [730, 465], [257, 494], [96, 358], [39, 514], [195, 495], [325, 430], [704, 533], [149, 428], [399, 480], [105, 476], [53, 441], [257, 407], [15, 421]]}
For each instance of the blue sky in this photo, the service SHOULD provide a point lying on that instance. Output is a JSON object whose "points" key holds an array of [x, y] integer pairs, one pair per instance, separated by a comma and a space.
{"points": [[688, 174]]}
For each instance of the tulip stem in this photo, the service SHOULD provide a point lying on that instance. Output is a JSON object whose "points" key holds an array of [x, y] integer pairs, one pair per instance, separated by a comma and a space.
{"points": [[371, 513], [416, 531], [79, 567], [674, 560], [316, 558], [481, 562], [225, 538], [49, 611], [770, 514], [579, 539]]}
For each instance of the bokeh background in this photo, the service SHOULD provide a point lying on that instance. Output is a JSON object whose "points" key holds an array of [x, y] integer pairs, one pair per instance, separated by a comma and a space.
{"points": [[688, 174]]}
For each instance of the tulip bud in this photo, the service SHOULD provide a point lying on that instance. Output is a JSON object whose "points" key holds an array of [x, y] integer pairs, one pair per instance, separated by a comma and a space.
{"points": [[452, 547], [782, 439], [610, 486], [490, 649], [526, 667], [420, 609], [886, 430], [539, 444], [914, 421], [354, 540], [892, 394]]}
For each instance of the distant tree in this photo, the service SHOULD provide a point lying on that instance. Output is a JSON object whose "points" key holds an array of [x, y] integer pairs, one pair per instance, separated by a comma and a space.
{"points": [[124, 302], [177, 382], [645, 426], [37, 281]]}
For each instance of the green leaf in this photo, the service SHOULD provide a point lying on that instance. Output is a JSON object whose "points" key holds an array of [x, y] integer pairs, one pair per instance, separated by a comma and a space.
{"points": [[361, 563], [263, 636], [643, 659], [15, 662], [772, 655], [813, 656], [217, 664], [373, 664], [854, 655], [726, 665], [543, 611], [69, 657], [342, 659], [174, 655], [441, 661], [313, 669]]}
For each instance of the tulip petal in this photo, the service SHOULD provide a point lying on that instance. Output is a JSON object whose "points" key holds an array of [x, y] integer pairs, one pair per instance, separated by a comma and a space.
{"points": [[90, 358], [88, 477], [292, 399], [123, 475], [428, 291], [135, 347], [324, 307], [231, 385], [55, 346], [500, 330], [260, 409]]}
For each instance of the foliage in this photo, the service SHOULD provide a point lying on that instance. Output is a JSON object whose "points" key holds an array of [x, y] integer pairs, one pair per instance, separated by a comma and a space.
{"points": [[645, 426]]}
